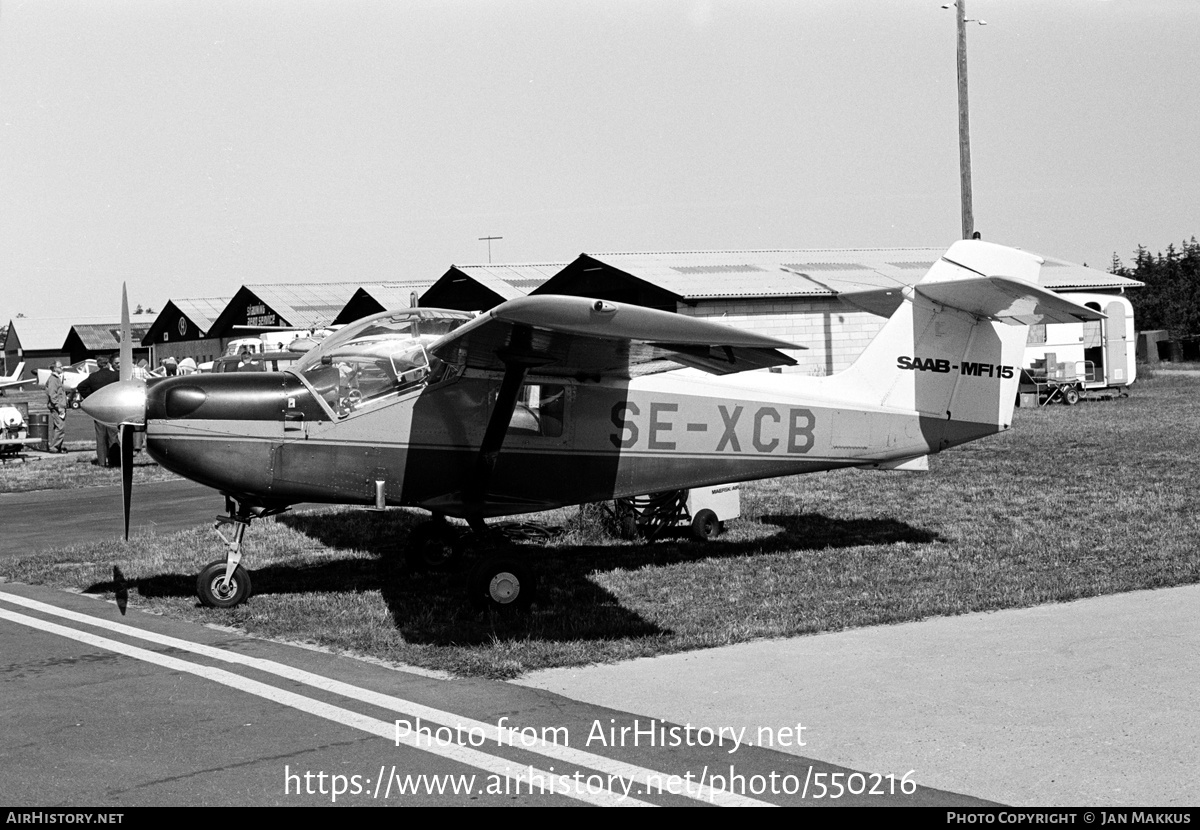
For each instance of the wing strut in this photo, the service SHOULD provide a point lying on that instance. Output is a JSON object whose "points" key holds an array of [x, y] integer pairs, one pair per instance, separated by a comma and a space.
{"points": [[518, 359]]}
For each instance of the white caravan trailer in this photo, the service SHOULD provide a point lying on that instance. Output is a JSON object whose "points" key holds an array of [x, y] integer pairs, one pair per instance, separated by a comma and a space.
{"points": [[1099, 356]]}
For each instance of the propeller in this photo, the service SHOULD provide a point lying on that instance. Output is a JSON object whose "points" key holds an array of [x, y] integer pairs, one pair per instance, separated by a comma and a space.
{"points": [[122, 405], [126, 338], [126, 437]]}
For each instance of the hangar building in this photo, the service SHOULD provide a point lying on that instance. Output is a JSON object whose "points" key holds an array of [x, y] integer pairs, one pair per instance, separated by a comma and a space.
{"points": [[388, 296], [39, 341], [182, 328], [262, 307], [86, 340], [790, 294], [480, 287]]}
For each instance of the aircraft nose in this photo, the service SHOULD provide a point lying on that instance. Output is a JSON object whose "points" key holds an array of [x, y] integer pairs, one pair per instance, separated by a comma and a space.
{"points": [[123, 402]]}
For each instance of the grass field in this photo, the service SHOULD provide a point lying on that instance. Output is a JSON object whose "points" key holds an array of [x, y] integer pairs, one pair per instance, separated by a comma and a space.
{"points": [[1073, 502], [75, 469], [40, 471]]}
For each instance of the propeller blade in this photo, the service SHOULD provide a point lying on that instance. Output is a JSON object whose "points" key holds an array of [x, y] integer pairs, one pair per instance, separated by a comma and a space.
{"points": [[126, 338], [125, 435]]}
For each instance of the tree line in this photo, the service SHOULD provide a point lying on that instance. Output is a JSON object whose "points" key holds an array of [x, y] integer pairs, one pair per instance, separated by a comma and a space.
{"points": [[1171, 298]]}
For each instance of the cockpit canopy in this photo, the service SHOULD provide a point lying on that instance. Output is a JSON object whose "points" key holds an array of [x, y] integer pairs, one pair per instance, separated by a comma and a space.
{"points": [[377, 356]]}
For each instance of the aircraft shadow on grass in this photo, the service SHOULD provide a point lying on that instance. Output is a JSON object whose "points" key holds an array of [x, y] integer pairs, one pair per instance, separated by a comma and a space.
{"points": [[428, 607]]}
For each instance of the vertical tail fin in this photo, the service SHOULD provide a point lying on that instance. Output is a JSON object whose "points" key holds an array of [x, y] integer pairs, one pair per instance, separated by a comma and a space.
{"points": [[952, 350]]}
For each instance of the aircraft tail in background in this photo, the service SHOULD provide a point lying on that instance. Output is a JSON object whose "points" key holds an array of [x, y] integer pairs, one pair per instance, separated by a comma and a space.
{"points": [[14, 380]]}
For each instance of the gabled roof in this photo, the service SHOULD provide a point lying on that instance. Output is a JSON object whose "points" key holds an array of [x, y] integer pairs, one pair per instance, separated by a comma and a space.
{"points": [[394, 296], [305, 305], [510, 281], [1060, 275], [203, 312], [690, 276], [288, 305], [46, 333], [377, 297], [102, 337], [483, 286]]}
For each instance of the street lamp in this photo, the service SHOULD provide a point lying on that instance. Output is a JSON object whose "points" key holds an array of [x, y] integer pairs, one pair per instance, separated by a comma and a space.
{"points": [[964, 128]]}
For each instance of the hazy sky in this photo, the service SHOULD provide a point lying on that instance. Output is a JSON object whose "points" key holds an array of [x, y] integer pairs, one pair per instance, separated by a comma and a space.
{"points": [[191, 146]]}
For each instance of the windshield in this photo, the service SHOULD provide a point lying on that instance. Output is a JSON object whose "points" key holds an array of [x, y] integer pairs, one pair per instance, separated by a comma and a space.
{"points": [[376, 357]]}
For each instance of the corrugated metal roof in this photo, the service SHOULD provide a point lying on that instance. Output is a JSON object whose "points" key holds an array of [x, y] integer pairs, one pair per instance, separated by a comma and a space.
{"points": [[511, 281], [395, 295], [99, 337], [47, 333], [698, 275], [305, 305], [204, 311]]}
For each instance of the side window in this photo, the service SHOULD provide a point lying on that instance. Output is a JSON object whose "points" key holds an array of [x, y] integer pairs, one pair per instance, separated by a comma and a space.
{"points": [[540, 410]]}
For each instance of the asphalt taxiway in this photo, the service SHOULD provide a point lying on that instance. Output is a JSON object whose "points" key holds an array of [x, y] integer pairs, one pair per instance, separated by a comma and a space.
{"points": [[1088, 703], [108, 710], [41, 517]]}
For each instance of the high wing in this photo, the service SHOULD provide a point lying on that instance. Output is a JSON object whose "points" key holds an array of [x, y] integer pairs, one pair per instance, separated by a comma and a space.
{"points": [[577, 336]]}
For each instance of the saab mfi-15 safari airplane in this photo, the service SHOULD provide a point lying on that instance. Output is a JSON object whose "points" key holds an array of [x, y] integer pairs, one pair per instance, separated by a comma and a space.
{"points": [[547, 401]]}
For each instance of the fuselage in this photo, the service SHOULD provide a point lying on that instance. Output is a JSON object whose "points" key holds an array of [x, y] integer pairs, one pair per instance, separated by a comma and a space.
{"points": [[273, 438]]}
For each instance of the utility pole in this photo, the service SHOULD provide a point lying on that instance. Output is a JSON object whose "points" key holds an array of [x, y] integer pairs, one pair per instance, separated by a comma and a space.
{"points": [[489, 242], [964, 126]]}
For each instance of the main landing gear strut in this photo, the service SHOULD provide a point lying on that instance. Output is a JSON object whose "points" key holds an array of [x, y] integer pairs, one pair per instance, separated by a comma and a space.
{"points": [[499, 581]]}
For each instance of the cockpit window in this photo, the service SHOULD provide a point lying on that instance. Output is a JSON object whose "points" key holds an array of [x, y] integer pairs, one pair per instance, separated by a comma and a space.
{"points": [[377, 357]]}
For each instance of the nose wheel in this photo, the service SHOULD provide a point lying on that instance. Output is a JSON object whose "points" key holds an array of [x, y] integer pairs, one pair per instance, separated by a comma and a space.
{"points": [[225, 583]]}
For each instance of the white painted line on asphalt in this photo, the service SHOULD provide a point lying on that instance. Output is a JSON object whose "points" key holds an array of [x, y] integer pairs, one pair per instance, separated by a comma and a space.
{"points": [[454, 752], [495, 734]]}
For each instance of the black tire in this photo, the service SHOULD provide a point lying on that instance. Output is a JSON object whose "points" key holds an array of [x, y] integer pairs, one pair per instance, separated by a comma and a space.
{"points": [[705, 526], [213, 590], [1071, 396], [502, 583], [432, 546]]}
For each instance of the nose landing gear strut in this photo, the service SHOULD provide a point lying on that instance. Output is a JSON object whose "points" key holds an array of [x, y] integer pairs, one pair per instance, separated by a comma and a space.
{"points": [[224, 583]]}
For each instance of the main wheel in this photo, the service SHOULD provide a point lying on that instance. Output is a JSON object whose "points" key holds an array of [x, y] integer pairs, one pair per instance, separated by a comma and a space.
{"points": [[502, 583], [706, 525], [432, 546], [216, 592]]}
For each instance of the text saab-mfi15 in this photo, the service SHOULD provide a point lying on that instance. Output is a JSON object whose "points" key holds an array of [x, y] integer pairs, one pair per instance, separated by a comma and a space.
{"points": [[547, 401]]}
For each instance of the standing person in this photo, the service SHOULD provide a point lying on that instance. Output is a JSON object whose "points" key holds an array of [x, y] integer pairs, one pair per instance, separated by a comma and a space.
{"points": [[107, 445], [56, 402]]}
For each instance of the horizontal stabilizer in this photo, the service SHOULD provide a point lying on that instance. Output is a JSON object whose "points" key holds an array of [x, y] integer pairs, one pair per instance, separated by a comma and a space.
{"points": [[880, 301], [1014, 302]]}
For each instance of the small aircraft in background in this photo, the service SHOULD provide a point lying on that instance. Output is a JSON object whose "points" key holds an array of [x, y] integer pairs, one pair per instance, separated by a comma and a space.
{"points": [[14, 381], [547, 401]]}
